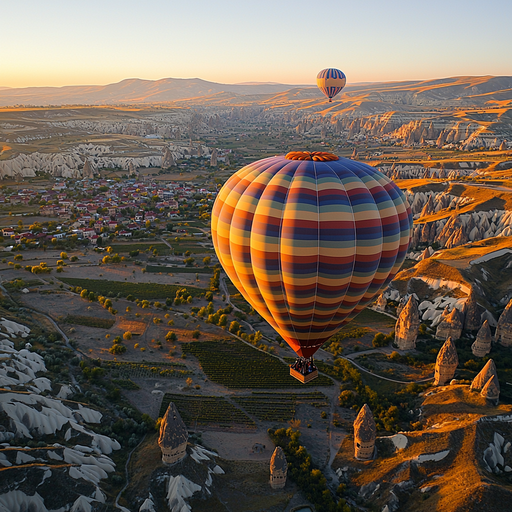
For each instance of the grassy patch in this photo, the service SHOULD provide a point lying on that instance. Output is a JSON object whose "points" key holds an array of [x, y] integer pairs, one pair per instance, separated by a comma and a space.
{"points": [[138, 290], [126, 384], [125, 370], [201, 410], [179, 270], [236, 365], [90, 321], [163, 249]]}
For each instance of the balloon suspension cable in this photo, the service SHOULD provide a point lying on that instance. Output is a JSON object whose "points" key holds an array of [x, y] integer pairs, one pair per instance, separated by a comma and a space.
{"points": [[304, 365]]}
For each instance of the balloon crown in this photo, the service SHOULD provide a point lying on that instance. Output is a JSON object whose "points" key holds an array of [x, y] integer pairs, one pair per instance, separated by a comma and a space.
{"points": [[317, 156]]}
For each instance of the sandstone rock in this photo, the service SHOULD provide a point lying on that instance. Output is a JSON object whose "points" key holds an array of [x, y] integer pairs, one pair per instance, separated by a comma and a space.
{"points": [[450, 326], [168, 159], [503, 333], [278, 469], [213, 159], [173, 436], [381, 303], [87, 171], [446, 363], [482, 344], [407, 325], [488, 371], [365, 433], [491, 390], [471, 314]]}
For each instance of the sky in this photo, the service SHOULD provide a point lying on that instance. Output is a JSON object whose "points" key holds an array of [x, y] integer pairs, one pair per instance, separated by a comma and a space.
{"points": [[78, 42]]}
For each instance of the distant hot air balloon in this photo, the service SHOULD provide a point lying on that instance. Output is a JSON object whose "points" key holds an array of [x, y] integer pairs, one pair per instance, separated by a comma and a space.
{"points": [[309, 239], [330, 81]]}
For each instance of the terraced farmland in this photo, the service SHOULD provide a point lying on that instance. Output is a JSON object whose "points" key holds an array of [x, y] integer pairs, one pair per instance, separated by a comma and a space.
{"points": [[214, 411], [236, 365]]}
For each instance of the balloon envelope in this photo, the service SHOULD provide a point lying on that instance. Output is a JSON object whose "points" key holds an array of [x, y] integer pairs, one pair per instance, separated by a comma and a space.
{"points": [[331, 81], [309, 240]]}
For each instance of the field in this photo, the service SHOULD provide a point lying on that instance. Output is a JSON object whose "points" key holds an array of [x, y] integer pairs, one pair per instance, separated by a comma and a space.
{"points": [[279, 406], [236, 365], [162, 249], [138, 290], [135, 327], [90, 321], [202, 410], [179, 270], [128, 370]]}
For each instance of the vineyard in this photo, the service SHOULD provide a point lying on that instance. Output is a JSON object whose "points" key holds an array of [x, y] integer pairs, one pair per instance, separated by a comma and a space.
{"points": [[138, 290], [278, 406], [236, 365], [90, 321], [203, 411], [126, 370]]}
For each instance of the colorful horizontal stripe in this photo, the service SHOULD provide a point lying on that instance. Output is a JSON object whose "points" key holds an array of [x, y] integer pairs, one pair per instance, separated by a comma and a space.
{"points": [[309, 244]]}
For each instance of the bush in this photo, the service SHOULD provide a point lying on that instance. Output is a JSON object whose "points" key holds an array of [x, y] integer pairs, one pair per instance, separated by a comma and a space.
{"points": [[117, 348], [127, 336], [171, 336]]}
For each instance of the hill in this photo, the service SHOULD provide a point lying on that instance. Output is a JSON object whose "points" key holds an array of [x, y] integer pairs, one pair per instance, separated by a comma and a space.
{"points": [[372, 97], [446, 465]]}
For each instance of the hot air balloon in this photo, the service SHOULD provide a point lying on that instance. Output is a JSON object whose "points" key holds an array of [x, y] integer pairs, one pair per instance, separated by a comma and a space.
{"points": [[309, 239], [330, 81]]}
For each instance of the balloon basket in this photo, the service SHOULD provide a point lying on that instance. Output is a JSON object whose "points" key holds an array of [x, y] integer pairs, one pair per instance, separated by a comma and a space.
{"points": [[304, 378]]}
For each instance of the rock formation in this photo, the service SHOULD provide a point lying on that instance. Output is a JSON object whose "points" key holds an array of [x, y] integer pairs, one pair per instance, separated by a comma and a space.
{"points": [[491, 390], [213, 159], [131, 170], [488, 371], [278, 469], [381, 303], [472, 317], [365, 433], [482, 344], [167, 159], [173, 436], [446, 363], [450, 326], [504, 329], [87, 171], [407, 325]]}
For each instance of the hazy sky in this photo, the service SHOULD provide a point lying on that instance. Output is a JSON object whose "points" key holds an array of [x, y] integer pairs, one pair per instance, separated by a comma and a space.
{"points": [[69, 42]]}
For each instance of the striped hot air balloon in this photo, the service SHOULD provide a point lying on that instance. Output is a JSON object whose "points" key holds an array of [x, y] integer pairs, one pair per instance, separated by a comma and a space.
{"points": [[309, 239], [331, 81]]}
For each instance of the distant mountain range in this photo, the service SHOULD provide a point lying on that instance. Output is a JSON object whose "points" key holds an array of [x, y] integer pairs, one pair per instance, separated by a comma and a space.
{"points": [[454, 91]]}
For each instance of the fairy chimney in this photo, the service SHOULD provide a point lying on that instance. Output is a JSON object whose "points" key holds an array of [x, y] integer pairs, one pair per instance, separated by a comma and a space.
{"points": [[365, 433], [446, 363], [482, 344], [472, 317], [450, 326], [381, 303], [167, 159], [491, 390], [131, 169], [213, 159], [407, 325], [173, 436], [504, 329], [488, 371], [87, 170], [278, 469]]}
